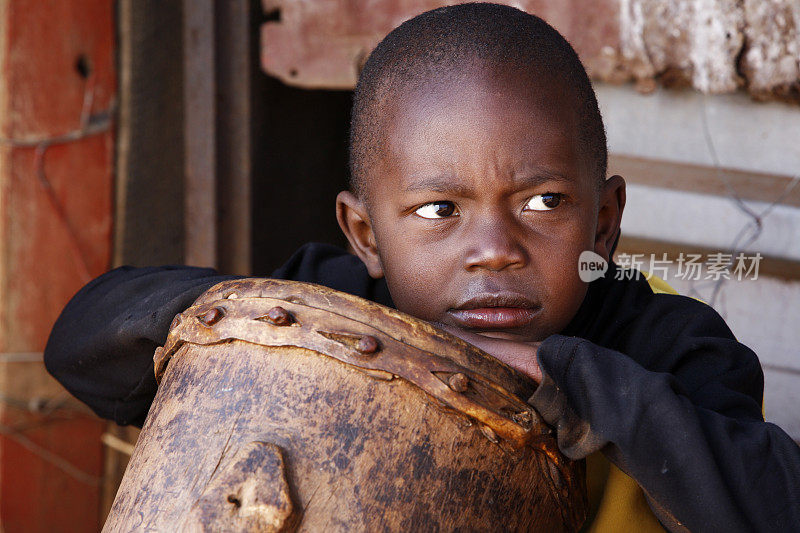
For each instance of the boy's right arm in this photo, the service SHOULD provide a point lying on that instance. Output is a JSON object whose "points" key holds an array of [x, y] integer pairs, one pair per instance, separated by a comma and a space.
{"points": [[101, 347]]}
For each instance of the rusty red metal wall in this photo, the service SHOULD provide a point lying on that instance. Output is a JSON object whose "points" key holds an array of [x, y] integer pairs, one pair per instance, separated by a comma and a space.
{"points": [[322, 43], [57, 92], [715, 47]]}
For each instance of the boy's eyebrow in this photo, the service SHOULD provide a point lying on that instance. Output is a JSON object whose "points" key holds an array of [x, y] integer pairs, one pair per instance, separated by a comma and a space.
{"points": [[538, 176], [444, 183], [439, 183]]}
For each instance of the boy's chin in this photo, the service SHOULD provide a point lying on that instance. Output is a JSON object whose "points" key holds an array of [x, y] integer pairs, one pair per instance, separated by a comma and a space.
{"points": [[522, 337], [511, 336]]}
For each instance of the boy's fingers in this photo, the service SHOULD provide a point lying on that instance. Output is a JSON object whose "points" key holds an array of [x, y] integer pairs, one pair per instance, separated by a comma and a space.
{"points": [[521, 357], [518, 355]]}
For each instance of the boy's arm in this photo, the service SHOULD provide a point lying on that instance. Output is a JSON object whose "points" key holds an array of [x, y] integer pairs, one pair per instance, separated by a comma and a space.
{"points": [[101, 347], [688, 429]]}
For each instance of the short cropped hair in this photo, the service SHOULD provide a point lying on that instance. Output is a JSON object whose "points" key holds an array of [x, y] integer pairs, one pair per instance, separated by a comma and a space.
{"points": [[440, 43]]}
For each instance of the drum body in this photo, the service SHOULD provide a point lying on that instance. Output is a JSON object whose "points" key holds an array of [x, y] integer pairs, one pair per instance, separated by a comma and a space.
{"points": [[286, 406]]}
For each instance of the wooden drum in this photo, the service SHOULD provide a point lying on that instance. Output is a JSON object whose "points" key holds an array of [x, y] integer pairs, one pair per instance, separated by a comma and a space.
{"points": [[288, 406]]}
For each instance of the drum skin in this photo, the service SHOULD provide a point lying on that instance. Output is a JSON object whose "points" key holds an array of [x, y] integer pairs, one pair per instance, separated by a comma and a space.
{"points": [[286, 406]]}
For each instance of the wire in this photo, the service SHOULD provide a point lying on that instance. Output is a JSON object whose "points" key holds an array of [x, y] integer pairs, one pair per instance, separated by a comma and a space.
{"points": [[50, 457], [89, 125], [754, 227]]}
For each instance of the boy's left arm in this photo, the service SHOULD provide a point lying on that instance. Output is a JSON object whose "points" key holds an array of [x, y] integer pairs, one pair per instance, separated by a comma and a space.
{"points": [[705, 458], [684, 420]]}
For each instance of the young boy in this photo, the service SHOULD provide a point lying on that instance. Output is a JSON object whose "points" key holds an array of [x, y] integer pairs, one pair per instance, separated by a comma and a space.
{"points": [[479, 177]]}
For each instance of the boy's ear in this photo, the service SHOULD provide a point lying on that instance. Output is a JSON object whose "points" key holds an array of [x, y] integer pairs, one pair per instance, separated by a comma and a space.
{"points": [[611, 205], [357, 227]]}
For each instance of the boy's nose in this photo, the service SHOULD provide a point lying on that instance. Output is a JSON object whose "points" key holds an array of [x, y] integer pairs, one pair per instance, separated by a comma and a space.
{"points": [[495, 248]]}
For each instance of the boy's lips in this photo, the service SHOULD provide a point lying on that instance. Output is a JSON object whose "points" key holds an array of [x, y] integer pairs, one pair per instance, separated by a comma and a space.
{"points": [[495, 311]]}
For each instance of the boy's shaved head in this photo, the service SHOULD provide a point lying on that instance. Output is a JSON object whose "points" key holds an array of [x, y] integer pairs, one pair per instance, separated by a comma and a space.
{"points": [[478, 164], [442, 45]]}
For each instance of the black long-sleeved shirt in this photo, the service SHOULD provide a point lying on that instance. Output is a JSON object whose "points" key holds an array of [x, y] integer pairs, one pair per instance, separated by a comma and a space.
{"points": [[656, 381]]}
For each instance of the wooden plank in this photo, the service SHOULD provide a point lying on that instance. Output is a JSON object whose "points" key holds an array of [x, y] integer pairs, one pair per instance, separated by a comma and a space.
{"points": [[55, 210], [200, 110], [234, 167], [150, 154], [706, 179], [57, 95], [769, 266]]}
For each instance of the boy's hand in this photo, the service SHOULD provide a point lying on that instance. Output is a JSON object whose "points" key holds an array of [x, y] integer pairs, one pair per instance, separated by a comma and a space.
{"points": [[518, 355]]}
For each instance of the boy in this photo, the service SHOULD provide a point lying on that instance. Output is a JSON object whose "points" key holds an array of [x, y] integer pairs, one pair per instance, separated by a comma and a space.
{"points": [[479, 177]]}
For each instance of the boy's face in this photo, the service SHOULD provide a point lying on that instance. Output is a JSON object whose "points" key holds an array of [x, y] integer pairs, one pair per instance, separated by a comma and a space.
{"points": [[479, 206]]}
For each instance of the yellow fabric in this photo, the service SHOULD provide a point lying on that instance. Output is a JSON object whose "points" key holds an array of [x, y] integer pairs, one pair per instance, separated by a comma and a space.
{"points": [[620, 506], [658, 285], [616, 502]]}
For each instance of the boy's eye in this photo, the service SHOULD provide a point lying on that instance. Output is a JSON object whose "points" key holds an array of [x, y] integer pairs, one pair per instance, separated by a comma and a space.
{"points": [[543, 202], [437, 210]]}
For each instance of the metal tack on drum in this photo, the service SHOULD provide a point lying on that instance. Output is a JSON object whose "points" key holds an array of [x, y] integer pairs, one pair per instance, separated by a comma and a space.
{"points": [[279, 316], [211, 317], [458, 382], [367, 345]]}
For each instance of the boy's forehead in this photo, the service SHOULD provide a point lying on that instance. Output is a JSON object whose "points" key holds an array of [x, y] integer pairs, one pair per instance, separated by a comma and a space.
{"points": [[486, 79], [509, 120]]}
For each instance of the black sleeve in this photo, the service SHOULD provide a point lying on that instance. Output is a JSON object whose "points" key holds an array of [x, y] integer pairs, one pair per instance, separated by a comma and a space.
{"points": [[101, 347], [334, 268], [690, 432]]}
